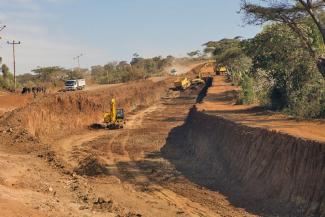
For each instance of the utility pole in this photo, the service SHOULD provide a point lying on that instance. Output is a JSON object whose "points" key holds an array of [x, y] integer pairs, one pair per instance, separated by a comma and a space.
{"points": [[2, 27], [13, 43], [78, 58]]}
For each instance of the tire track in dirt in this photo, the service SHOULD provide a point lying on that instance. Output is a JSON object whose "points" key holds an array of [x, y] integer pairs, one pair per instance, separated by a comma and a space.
{"points": [[69, 146]]}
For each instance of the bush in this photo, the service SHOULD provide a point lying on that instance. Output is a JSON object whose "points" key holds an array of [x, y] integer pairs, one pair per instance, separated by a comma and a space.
{"points": [[309, 101], [247, 93]]}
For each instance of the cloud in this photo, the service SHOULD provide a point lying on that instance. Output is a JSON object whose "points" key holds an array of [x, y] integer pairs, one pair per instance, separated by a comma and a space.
{"points": [[39, 47]]}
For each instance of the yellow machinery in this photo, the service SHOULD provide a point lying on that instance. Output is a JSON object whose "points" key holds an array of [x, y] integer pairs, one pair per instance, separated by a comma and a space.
{"points": [[221, 70], [115, 118], [182, 84], [198, 80]]}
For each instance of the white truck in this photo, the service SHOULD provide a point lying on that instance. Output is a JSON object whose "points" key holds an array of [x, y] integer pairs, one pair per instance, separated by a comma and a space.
{"points": [[78, 84]]}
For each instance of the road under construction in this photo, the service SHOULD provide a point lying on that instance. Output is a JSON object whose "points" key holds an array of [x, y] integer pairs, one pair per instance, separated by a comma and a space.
{"points": [[190, 152]]}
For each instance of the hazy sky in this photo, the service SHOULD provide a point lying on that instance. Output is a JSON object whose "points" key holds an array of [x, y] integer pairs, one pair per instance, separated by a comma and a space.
{"points": [[52, 32]]}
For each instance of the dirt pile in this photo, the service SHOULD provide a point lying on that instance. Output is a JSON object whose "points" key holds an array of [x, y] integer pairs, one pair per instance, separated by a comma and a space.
{"points": [[266, 172], [61, 114], [91, 166]]}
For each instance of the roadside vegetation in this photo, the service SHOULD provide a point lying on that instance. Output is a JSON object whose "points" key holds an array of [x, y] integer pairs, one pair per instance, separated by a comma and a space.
{"points": [[6, 77], [138, 68], [281, 67], [110, 73]]}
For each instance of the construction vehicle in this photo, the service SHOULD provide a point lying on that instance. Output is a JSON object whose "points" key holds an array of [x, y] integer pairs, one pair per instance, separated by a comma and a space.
{"points": [[115, 118], [221, 70], [182, 84], [72, 85], [173, 71], [198, 80]]}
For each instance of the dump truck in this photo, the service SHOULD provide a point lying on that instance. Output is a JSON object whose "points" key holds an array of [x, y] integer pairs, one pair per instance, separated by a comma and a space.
{"points": [[182, 84], [77, 84], [115, 118]]}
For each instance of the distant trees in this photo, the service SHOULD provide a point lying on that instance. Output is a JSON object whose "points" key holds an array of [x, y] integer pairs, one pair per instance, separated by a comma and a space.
{"points": [[123, 71], [6, 79], [5, 72], [229, 53], [50, 76], [196, 53]]}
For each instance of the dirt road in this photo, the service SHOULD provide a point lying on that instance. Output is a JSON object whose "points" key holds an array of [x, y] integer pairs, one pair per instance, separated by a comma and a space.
{"points": [[138, 177], [9, 102], [111, 173], [221, 101], [165, 162]]}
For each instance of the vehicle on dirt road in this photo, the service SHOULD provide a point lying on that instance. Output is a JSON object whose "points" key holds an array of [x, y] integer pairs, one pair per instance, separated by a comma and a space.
{"points": [[221, 70], [77, 84], [115, 118], [173, 71], [182, 84], [197, 81]]}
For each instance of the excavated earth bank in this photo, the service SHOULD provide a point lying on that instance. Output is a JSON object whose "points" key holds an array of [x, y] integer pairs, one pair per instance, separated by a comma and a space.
{"points": [[266, 172], [54, 116]]}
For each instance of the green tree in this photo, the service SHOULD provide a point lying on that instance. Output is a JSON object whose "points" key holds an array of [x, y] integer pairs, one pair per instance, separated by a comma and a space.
{"points": [[229, 53], [288, 71], [5, 72], [196, 53], [292, 13]]}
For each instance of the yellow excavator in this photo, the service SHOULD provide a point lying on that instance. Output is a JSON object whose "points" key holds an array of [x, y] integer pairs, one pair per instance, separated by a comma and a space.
{"points": [[198, 80], [115, 118], [182, 84]]}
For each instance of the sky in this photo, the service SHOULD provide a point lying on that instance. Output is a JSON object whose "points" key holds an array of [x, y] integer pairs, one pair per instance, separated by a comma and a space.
{"points": [[53, 32]]}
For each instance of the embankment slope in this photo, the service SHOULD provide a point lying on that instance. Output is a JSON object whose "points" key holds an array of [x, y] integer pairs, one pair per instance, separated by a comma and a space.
{"points": [[266, 171], [58, 115]]}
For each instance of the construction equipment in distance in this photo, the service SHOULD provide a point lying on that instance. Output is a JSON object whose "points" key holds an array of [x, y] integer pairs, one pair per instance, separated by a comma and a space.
{"points": [[198, 80], [221, 70], [115, 118], [182, 84]]}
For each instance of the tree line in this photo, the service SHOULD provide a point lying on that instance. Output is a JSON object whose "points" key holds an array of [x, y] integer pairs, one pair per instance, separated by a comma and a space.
{"points": [[112, 72], [282, 67]]}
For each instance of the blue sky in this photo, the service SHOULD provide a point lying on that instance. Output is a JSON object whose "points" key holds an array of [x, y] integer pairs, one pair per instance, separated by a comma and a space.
{"points": [[54, 31]]}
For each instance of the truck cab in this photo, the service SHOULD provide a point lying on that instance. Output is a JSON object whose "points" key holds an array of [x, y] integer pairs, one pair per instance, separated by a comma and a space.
{"points": [[77, 84]]}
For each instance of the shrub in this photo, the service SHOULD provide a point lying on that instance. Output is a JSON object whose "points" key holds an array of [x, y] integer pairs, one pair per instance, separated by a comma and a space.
{"points": [[247, 93]]}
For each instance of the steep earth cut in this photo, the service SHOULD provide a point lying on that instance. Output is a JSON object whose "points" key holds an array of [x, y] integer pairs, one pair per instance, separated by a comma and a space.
{"points": [[268, 171]]}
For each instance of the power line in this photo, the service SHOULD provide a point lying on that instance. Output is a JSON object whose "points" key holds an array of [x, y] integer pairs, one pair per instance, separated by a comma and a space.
{"points": [[13, 43]]}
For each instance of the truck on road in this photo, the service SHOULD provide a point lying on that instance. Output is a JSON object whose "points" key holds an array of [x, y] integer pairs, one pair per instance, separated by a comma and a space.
{"points": [[77, 84]]}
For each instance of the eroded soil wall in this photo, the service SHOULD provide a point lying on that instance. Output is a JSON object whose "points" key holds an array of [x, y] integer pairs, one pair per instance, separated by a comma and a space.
{"points": [[52, 116], [266, 172]]}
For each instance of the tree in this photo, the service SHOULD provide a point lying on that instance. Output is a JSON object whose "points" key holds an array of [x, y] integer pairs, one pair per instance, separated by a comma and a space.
{"points": [[47, 74], [196, 53], [229, 52], [285, 74], [5, 72], [293, 13]]}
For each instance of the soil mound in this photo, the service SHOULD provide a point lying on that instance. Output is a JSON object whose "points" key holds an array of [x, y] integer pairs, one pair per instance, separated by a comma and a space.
{"points": [[266, 172], [91, 166], [61, 114]]}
